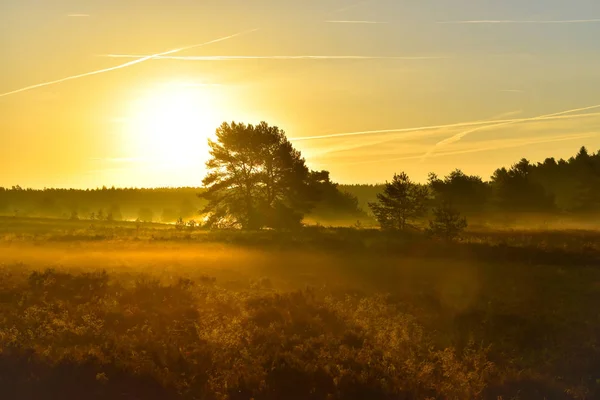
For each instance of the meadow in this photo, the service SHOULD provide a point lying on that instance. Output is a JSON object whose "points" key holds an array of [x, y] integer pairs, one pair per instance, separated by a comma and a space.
{"points": [[95, 309]]}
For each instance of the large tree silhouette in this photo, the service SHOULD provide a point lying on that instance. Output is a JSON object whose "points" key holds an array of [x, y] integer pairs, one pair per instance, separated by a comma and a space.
{"points": [[257, 179]]}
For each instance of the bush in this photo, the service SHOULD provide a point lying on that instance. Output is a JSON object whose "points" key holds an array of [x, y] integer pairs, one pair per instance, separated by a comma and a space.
{"points": [[447, 223]]}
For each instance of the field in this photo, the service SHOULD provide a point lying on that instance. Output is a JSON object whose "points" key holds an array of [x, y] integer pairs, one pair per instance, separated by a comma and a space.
{"points": [[146, 311]]}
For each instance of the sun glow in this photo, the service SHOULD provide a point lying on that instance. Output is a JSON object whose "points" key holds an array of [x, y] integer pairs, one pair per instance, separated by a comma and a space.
{"points": [[172, 124]]}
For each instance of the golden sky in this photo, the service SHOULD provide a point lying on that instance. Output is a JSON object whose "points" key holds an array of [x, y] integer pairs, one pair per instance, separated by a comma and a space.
{"points": [[365, 88]]}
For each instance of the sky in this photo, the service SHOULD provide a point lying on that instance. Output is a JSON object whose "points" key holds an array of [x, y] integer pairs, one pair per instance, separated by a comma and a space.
{"points": [[126, 92]]}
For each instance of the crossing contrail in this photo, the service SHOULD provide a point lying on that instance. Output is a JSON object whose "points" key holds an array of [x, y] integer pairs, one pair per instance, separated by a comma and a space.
{"points": [[127, 64], [459, 136], [508, 145], [457, 125], [409, 135]]}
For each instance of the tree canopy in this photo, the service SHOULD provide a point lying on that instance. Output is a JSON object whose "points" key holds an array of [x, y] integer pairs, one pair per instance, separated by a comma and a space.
{"points": [[516, 190], [257, 179], [401, 202], [467, 193]]}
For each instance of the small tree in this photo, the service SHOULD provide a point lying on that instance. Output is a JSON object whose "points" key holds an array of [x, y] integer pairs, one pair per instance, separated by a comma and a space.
{"points": [[401, 202], [447, 222]]}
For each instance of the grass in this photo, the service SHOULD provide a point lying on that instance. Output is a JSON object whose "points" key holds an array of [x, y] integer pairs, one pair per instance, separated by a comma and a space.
{"points": [[127, 311]]}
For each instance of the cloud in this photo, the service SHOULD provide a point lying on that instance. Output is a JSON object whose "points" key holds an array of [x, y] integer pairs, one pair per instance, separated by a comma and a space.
{"points": [[355, 22], [457, 125], [127, 64], [564, 21], [459, 136], [233, 58], [78, 15]]}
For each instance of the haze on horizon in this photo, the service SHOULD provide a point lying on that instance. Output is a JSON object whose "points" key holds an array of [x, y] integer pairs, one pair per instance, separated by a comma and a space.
{"points": [[121, 93]]}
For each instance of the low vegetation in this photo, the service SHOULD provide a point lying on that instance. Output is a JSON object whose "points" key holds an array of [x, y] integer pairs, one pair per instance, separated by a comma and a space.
{"points": [[151, 311]]}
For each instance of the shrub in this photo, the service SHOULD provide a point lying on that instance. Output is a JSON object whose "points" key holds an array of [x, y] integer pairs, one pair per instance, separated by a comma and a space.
{"points": [[447, 223]]}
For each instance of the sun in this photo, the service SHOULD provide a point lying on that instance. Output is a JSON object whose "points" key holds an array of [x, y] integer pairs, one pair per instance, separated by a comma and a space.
{"points": [[172, 124]]}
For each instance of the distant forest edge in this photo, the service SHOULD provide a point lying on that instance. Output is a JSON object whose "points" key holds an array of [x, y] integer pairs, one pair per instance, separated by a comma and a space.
{"points": [[549, 191]]}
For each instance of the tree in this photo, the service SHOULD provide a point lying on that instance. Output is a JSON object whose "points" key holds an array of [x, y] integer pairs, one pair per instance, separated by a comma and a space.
{"points": [[401, 202], [515, 190], [447, 222], [334, 203], [585, 179], [256, 179], [4, 204], [467, 193]]}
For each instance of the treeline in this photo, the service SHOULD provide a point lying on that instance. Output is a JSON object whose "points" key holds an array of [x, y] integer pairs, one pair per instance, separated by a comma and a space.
{"points": [[552, 188], [549, 187], [159, 205], [149, 205]]}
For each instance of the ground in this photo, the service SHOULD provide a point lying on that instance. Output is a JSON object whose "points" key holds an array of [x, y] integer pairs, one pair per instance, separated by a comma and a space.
{"points": [[149, 311]]}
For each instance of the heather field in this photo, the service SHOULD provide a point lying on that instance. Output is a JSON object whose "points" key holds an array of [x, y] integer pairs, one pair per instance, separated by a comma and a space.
{"points": [[143, 311]]}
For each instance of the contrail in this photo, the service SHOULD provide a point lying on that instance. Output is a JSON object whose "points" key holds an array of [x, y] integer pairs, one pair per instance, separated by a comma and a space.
{"points": [[414, 134], [355, 22], [488, 148], [505, 115], [232, 58], [457, 125], [127, 64], [565, 21], [459, 136]]}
